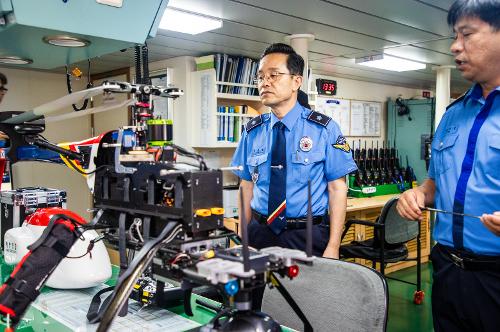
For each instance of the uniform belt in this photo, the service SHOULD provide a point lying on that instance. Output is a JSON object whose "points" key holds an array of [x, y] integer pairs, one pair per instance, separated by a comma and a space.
{"points": [[292, 223], [470, 261]]}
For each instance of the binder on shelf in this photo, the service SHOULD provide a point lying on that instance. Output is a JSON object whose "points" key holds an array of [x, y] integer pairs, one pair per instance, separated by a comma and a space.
{"points": [[230, 127], [218, 61], [235, 69], [220, 125], [236, 127], [224, 124]]}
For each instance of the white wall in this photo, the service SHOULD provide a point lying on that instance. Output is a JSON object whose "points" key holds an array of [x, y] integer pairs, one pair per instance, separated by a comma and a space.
{"points": [[30, 88], [27, 89], [347, 89], [367, 91]]}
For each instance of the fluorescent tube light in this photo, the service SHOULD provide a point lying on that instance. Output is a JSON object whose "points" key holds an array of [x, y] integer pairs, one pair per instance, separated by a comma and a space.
{"points": [[187, 22], [387, 62]]}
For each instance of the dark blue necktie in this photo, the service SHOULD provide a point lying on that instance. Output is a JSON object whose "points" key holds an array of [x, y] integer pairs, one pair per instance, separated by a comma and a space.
{"points": [[277, 184]]}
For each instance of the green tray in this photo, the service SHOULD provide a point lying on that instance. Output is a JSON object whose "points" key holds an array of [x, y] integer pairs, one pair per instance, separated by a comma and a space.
{"points": [[383, 189]]}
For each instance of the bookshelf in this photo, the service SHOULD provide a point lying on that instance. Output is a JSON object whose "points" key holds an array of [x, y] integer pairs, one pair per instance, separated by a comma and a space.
{"points": [[206, 110]]}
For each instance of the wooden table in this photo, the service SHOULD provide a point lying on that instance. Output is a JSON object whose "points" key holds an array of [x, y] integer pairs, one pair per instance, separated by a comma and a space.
{"points": [[369, 209]]}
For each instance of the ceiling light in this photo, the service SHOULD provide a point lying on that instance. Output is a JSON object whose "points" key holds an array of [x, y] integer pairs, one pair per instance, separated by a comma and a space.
{"points": [[15, 60], [387, 62], [187, 22], [66, 41]]}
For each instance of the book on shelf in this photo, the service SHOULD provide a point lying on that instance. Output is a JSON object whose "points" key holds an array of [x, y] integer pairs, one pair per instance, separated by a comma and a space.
{"points": [[235, 69], [231, 121]]}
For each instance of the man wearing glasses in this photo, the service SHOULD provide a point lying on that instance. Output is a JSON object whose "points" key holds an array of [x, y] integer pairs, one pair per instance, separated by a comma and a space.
{"points": [[281, 152]]}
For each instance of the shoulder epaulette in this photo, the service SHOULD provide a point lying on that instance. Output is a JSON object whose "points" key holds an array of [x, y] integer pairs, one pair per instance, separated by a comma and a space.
{"points": [[254, 123], [457, 100], [319, 118]]}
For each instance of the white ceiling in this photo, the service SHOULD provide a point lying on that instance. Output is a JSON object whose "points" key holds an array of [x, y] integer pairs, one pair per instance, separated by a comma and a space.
{"points": [[344, 29]]}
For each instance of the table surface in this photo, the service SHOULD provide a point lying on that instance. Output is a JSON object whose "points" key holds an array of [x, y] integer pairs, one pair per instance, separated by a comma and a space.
{"points": [[36, 320], [357, 204]]}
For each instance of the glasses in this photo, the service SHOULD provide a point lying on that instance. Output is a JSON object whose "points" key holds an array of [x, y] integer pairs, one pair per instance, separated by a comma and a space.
{"points": [[270, 77]]}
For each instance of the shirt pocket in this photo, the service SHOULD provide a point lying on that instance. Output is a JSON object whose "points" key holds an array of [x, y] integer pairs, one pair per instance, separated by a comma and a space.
{"points": [[443, 153], [493, 156], [256, 167], [303, 163]]}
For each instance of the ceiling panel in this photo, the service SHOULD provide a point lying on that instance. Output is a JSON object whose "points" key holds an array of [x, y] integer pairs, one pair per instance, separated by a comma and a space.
{"points": [[215, 39], [335, 16], [164, 52], [349, 63], [200, 48], [370, 76], [441, 4], [344, 29], [260, 17], [442, 45], [404, 12], [421, 55]]}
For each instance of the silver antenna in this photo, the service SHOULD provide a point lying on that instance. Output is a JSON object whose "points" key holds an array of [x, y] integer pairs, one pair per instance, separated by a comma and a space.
{"points": [[309, 221], [244, 235]]}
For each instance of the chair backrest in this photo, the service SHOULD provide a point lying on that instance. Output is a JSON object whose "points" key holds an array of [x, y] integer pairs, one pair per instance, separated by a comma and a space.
{"points": [[334, 295], [397, 229]]}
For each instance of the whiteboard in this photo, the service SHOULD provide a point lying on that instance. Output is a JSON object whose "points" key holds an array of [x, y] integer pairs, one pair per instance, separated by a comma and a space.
{"points": [[338, 110], [365, 118]]}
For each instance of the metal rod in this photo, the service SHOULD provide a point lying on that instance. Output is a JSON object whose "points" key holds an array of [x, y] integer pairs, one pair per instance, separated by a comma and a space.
{"points": [[309, 221], [449, 212], [232, 168], [244, 234]]}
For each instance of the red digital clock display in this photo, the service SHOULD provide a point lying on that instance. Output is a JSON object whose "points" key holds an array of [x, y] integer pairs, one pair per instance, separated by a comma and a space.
{"points": [[326, 87]]}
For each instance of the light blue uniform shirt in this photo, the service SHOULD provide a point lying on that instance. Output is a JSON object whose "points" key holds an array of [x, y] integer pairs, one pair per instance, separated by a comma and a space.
{"points": [[327, 158], [479, 181]]}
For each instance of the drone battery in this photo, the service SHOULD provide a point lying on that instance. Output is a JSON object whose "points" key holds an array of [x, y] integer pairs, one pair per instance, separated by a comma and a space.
{"points": [[15, 205]]}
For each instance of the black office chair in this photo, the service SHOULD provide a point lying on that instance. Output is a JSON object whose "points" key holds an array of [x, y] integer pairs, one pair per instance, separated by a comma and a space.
{"points": [[391, 233]]}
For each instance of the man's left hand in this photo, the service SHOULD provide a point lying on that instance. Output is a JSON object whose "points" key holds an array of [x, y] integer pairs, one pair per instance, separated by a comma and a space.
{"points": [[331, 252], [492, 222]]}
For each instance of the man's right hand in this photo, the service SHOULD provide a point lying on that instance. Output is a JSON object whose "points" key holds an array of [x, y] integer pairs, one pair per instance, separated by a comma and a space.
{"points": [[409, 204]]}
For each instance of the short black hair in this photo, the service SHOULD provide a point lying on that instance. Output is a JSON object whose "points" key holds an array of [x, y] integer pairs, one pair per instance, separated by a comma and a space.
{"points": [[294, 62], [486, 10], [303, 99], [3, 79]]}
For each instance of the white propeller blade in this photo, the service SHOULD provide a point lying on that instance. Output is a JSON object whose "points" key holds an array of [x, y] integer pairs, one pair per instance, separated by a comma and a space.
{"points": [[93, 110], [59, 104]]}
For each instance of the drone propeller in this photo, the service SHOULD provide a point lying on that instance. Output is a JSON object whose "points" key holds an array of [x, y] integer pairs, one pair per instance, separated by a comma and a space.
{"points": [[88, 111], [60, 103]]}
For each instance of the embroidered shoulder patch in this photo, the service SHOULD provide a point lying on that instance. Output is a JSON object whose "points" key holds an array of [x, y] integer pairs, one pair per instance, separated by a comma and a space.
{"points": [[342, 144], [319, 118], [254, 123]]}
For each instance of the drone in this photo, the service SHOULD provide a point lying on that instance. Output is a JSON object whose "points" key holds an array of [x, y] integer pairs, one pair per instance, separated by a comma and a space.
{"points": [[169, 214]]}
